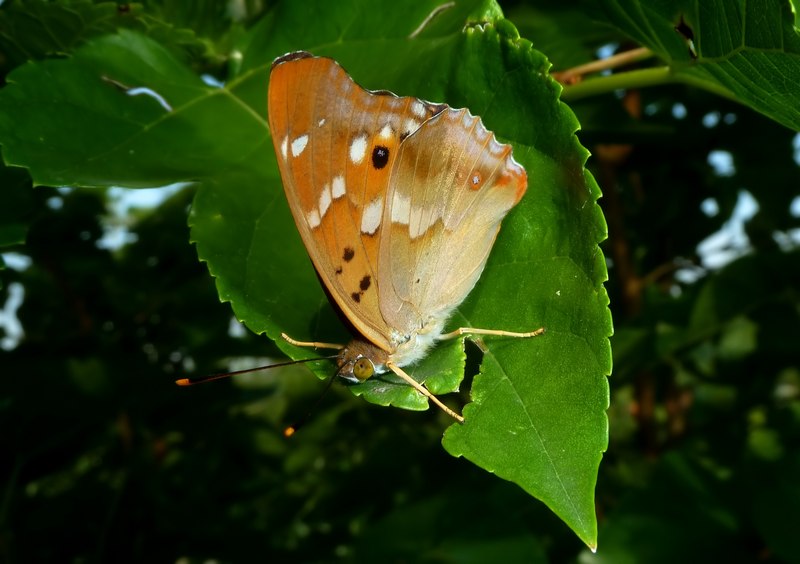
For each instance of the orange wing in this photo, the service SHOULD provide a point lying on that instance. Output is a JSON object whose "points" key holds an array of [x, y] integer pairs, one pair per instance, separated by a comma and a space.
{"points": [[336, 144]]}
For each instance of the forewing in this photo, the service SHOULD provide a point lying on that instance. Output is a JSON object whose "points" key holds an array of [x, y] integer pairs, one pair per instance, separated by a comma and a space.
{"points": [[336, 144], [451, 187]]}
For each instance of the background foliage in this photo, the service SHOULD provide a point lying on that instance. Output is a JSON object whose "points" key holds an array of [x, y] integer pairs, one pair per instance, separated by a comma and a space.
{"points": [[703, 456]]}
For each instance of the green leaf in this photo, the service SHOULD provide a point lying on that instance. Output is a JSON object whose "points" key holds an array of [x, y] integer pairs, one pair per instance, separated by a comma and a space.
{"points": [[537, 412], [130, 114], [37, 28], [745, 50], [449, 527], [564, 31]]}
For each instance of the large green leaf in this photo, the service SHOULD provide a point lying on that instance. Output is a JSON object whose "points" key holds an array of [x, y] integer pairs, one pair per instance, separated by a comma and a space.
{"points": [[746, 50], [537, 415]]}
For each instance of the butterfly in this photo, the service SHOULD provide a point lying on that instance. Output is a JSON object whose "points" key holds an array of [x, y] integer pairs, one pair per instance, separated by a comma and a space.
{"points": [[398, 202]]}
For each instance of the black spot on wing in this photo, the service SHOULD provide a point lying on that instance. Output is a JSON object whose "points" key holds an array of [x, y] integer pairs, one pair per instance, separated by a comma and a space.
{"points": [[380, 156]]}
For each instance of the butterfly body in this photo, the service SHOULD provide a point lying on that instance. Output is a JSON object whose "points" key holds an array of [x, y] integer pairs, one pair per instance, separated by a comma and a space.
{"points": [[406, 349], [398, 202]]}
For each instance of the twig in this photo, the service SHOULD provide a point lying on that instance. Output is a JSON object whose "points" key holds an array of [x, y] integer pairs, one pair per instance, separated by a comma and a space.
{"points": [[576, 74]]}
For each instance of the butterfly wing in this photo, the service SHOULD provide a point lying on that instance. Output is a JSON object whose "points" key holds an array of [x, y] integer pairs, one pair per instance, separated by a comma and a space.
{"points": [[336, 144], [451, 186]]}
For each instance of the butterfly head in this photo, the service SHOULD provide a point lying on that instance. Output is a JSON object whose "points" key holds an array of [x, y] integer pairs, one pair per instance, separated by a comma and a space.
{"points": [[360, 360]]}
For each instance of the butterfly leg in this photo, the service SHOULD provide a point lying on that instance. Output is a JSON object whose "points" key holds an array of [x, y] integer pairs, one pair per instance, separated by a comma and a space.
{"points": [[499, 333], [424, 391], [313, 344]]}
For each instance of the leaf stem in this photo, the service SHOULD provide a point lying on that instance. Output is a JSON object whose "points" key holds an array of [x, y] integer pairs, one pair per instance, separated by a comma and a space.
{"points": [[575, 74]]}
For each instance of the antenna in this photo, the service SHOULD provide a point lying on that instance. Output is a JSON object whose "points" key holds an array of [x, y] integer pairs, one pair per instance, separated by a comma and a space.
{"points": [[222, 375]]}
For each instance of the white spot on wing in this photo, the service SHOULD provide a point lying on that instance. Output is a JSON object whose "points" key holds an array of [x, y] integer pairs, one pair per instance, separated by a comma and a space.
{"points": [[496, 149], [299, 145], [418, 109], [411, 126], [420, 221], [371, 218], [284, 147], [401, 209], [386, 132], [324, 200], [337, 188], [313, 219], [358, 148], [321, 122], [415, 227]]}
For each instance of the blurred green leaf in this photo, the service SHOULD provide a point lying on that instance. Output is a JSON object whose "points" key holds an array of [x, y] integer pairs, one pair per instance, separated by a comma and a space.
{"points": [[698, 520], [456, 527], [564, 31], [17, 205], [748, 51], [33, 29]]}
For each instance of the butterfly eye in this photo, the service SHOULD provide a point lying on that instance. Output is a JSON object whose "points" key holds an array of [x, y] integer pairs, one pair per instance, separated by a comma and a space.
{"points": [[363, 368]]}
